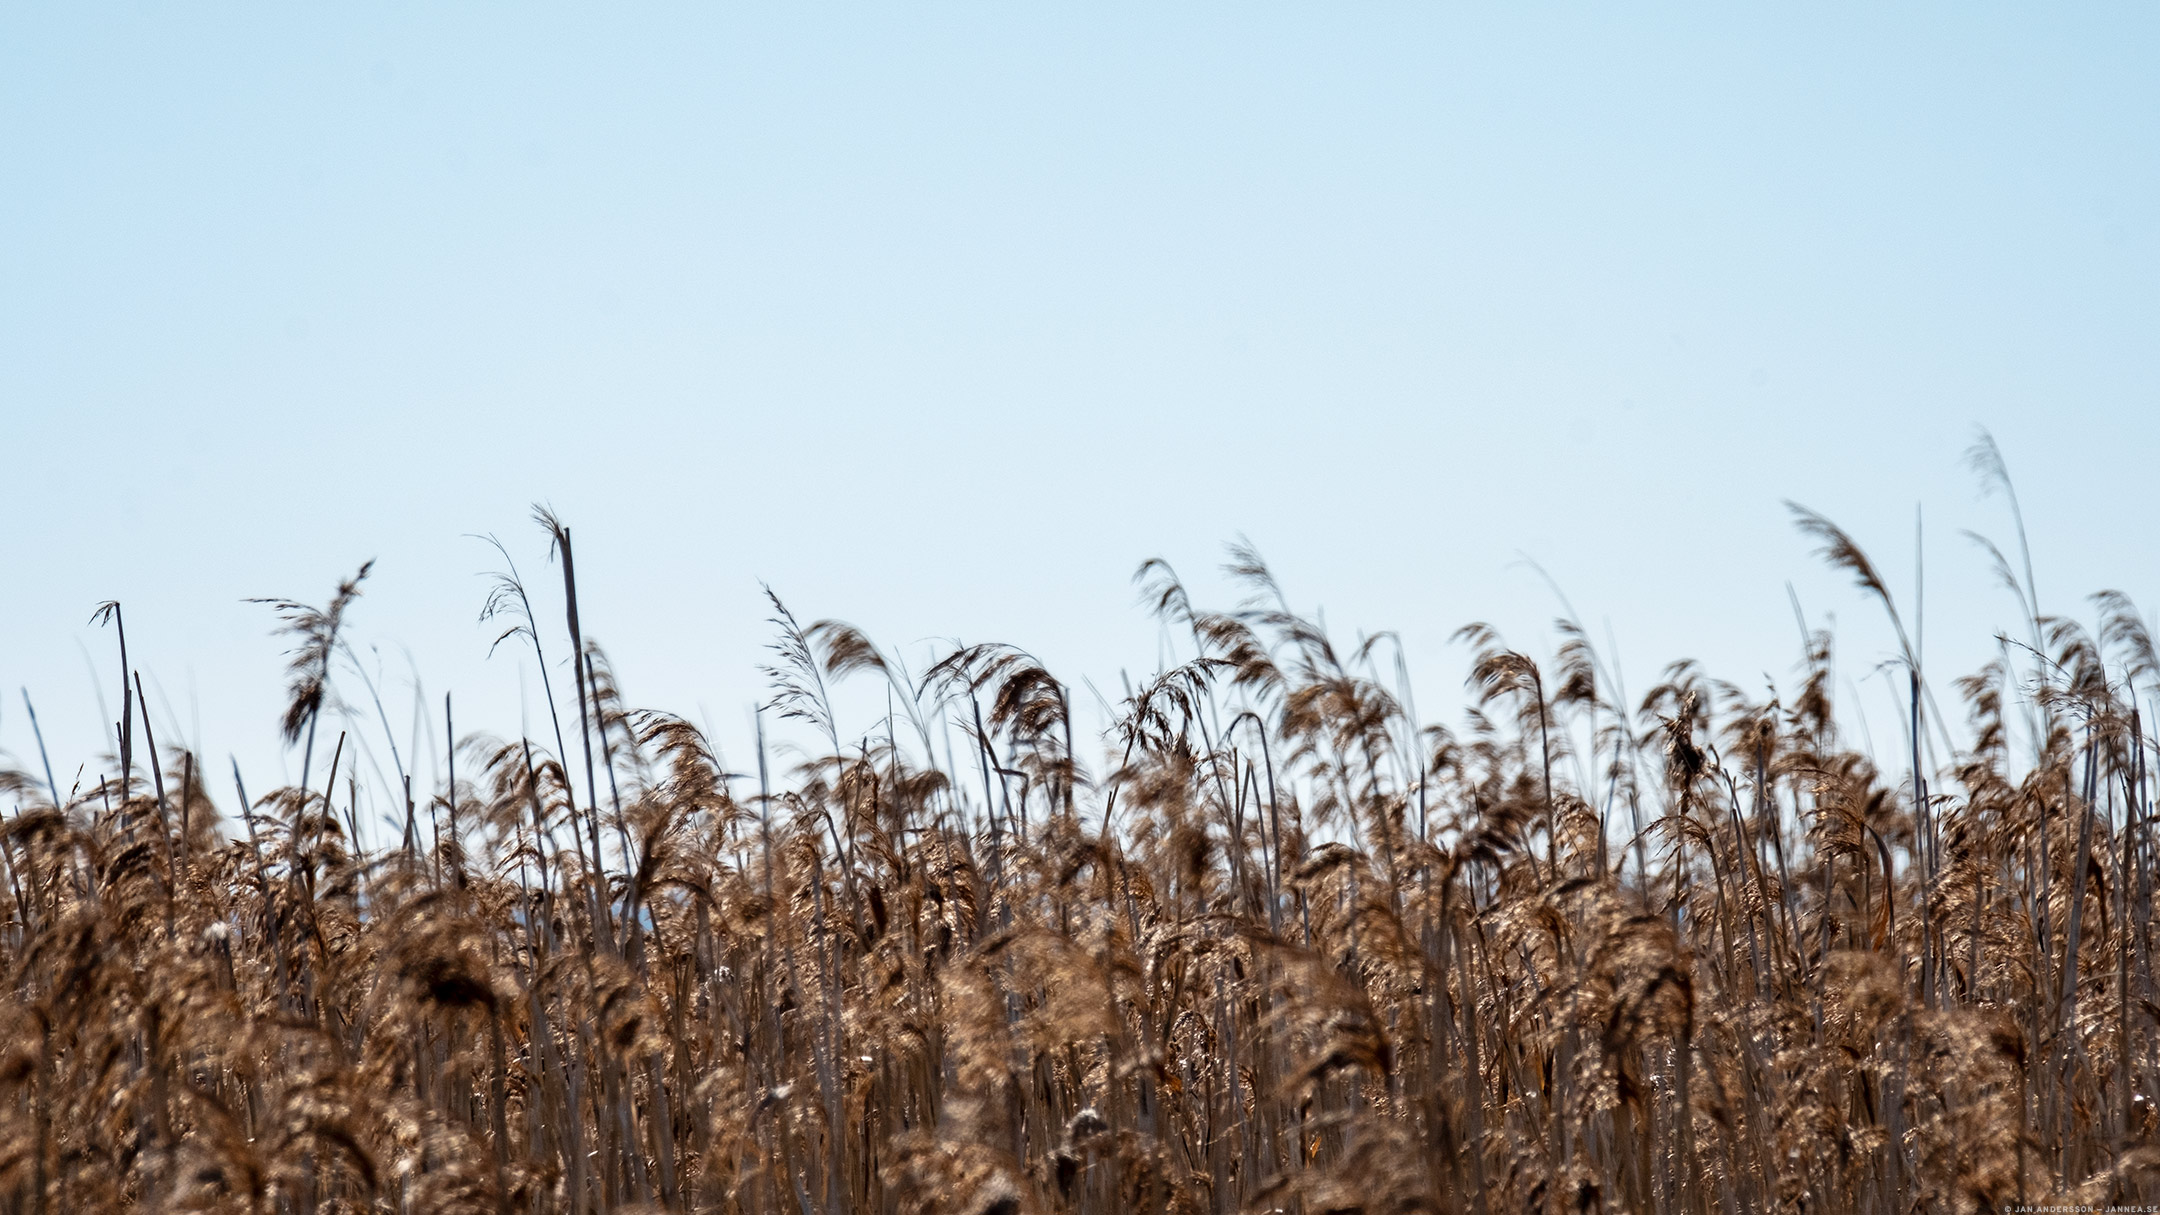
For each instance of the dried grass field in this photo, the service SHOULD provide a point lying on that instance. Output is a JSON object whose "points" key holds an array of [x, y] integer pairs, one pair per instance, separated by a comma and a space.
{"points": [[1277, 946]]}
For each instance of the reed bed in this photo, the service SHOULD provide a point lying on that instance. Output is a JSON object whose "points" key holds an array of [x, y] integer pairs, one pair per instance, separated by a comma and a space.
{"points": [[1284, 947]]}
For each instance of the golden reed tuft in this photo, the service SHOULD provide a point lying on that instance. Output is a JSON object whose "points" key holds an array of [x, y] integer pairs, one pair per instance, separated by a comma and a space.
{"points": [[1287, 950]]}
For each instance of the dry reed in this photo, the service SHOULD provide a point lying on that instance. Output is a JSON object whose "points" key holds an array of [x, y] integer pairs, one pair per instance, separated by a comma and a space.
{"points": [[1288, 949]]}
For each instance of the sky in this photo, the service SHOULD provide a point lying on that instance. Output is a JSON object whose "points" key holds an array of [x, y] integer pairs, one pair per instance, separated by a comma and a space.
{"points": [[941, 318]]}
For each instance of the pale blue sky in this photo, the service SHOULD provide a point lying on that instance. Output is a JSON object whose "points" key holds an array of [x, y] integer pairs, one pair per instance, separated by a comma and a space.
{"points": [[941, 318]]}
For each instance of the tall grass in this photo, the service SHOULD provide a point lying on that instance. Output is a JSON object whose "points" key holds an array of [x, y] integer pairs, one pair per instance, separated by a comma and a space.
{"points": [[1286, 948]]}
